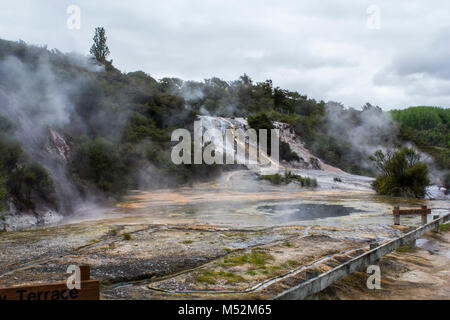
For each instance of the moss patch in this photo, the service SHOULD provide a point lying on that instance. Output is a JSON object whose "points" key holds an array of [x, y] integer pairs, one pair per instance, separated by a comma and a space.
{"points": [[211, 277], [255, 258]]}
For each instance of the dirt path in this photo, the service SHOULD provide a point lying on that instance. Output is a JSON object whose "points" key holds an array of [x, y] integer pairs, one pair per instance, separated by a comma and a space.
{"points": [[419, 274]]}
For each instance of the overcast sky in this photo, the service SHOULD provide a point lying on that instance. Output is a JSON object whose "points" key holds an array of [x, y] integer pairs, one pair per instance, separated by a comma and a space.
{"points": [[334, 50]]}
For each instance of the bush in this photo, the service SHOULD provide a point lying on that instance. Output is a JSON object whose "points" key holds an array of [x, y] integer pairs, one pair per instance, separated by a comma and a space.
{"points": [[286, 153], [31, 184], [99, 162], [288, 177], [260, 121], [305, 181], [401, 174], [273, 178], [126, 236], [27, 183]]}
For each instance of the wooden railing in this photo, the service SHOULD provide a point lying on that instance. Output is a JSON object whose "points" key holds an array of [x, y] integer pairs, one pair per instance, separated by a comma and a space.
{"points": [[397, 212]]}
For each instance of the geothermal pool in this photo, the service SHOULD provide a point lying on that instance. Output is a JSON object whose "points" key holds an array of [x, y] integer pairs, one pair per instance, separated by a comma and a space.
{"points": [[239, 199]]}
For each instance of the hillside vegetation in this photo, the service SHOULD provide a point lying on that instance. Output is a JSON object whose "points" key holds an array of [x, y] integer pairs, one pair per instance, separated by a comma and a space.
{"points": [[118, 125], [429, 129]]}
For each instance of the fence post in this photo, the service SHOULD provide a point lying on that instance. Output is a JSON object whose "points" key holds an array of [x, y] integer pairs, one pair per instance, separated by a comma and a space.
{"points": [[436, 228], [85, 273], [396, 215]]}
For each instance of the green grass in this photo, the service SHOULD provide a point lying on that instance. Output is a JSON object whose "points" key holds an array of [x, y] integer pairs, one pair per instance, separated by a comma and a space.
{"points": [[445, 227], [251, 272], [207, 279], [211, 277], [292, 263], [255, 258], [406, 249], [187, 241], [288, 244]]}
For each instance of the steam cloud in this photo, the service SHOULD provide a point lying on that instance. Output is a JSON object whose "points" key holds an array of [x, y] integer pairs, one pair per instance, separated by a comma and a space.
{"points": [[37, 99]]}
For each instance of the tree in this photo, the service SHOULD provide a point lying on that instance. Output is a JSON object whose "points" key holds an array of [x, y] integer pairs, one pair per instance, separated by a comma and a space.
{"points": [[260, 121], [99, 161], [401, 173], [31, 184], [99, 49]]}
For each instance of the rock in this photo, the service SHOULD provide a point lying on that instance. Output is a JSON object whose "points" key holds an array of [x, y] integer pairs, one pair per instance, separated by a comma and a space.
{"points": [[59, 145]]}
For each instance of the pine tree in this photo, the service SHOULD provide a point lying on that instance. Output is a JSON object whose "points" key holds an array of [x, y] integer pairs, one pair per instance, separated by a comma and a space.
{"points": [[99, 49]]}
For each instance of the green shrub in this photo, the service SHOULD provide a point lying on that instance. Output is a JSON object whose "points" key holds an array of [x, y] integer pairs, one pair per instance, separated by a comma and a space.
{"points": [[31, 184], [126, 236], [273, 178], [288, 177], [401, 174]]}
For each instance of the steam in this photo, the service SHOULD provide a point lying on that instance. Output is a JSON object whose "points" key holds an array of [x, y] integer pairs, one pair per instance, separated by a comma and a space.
{"points": [[195, 94], [39, 101], [366, 131], [369, 130]]}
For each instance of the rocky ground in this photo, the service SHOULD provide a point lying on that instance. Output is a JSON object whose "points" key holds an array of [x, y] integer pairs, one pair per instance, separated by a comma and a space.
{"points": [[421, 273], [135, 259]]}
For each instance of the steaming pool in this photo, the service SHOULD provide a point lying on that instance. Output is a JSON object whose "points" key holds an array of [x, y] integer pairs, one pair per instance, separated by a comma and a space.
{"points": [[239, 200], [271, 208]]}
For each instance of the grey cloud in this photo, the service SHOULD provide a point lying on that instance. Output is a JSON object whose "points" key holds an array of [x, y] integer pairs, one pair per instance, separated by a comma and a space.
{"points": [[320, 48], [431, 58]]}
